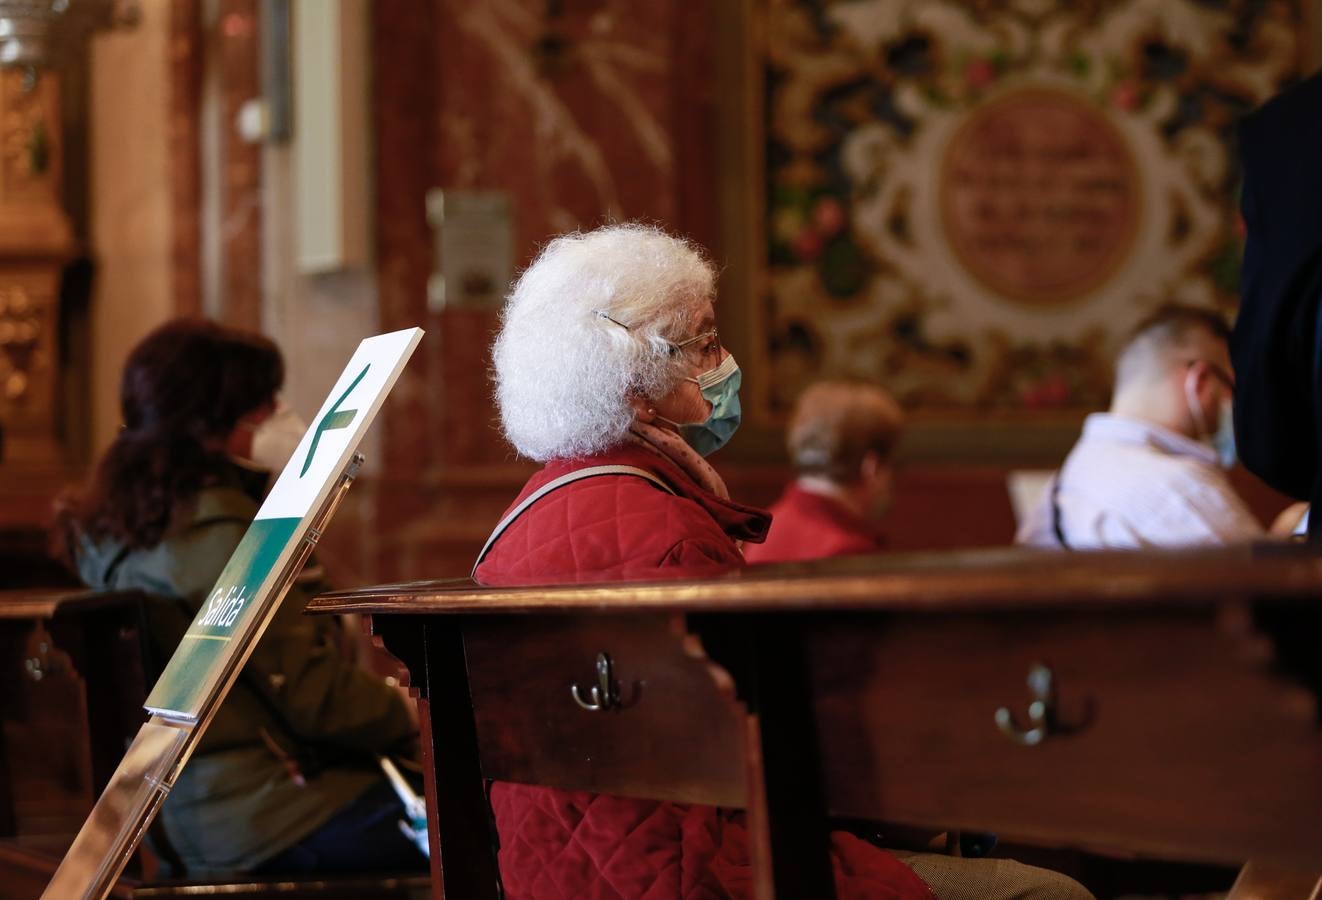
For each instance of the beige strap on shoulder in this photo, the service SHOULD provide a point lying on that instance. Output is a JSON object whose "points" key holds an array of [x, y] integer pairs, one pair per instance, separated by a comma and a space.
{"points": [[556, 483]]}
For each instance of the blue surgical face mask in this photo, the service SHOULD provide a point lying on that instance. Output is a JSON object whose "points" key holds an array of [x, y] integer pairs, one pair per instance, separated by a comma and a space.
{"points": [[1223, 439], [720, 388]]}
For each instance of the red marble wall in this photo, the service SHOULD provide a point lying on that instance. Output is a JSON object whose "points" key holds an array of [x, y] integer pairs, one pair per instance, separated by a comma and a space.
{"points": [[598, 110], [234, 38], [241, 167], [405, 68], [603, 111]]}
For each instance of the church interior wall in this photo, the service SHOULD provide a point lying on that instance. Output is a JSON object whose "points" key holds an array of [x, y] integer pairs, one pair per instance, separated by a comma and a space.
{"points": [[583, 114]]}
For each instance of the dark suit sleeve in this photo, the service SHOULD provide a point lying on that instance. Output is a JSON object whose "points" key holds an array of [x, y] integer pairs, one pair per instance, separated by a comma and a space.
{"points": [[1274, 345]]}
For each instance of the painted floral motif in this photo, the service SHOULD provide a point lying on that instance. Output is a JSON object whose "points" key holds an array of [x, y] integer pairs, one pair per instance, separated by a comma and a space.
{"points": [[865, 104]]}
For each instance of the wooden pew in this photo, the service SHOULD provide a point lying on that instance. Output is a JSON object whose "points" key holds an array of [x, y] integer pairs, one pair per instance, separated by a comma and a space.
{"points": [[1257, 882], [71, 687], [1171, 712], [74, 671], [29, 866]]}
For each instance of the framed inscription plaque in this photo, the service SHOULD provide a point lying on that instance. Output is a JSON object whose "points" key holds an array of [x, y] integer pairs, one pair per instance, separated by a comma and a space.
{"points": [[1040, 196]]}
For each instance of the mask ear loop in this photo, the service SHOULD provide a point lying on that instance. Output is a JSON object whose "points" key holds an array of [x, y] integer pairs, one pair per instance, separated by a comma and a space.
{"points": [[671, 350]]}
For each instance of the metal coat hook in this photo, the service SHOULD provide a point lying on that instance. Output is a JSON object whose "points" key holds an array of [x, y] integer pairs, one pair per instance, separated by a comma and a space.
{"points": [[1041, 712], [605, 694]]}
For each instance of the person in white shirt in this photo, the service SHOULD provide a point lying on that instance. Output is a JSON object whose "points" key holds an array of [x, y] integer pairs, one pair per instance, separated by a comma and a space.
{"points": [[1151, 471]]}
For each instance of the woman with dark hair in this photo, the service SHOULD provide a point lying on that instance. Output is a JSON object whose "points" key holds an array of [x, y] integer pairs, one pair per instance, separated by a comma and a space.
{"points": [[191, 392], [285, 779]]}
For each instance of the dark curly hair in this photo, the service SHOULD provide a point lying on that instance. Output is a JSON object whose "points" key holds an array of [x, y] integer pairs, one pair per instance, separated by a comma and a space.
{"points": [[184, 389]]}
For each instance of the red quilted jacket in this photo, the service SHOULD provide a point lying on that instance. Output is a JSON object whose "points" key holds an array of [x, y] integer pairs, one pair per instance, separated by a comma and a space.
{"points": [[810, 526], [574, 845]]}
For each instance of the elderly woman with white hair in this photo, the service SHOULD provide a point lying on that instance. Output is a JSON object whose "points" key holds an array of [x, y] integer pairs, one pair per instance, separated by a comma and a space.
{"points": [[609, 371], [609, 356]]}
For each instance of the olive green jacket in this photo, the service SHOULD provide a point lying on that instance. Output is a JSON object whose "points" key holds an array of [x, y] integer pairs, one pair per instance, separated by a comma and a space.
{"points": [[294, 742]]}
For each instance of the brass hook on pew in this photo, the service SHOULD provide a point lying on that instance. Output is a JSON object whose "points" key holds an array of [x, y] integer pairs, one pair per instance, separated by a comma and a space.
{"points": [[1044, 718], [605, 694], [1041, 712]]}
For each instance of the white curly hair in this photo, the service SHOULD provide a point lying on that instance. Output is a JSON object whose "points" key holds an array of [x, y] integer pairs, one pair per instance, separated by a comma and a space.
{"points": [[591, 321]]}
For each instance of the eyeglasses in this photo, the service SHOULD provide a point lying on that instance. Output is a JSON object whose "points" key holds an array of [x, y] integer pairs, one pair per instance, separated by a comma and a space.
{"points": [[702, 350]]}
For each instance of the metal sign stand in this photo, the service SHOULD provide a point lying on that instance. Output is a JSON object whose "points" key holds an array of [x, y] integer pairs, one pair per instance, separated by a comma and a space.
{"points": [[143, 779]]}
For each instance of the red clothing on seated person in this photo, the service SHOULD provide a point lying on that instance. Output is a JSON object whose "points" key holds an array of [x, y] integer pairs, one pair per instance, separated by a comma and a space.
{"points": [[574, 845], [806, 525], [619, 526]]}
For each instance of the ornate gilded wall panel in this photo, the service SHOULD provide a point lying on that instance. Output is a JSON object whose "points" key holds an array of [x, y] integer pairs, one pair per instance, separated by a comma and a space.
{"points": [[28, 162], [27, 329], [971, 201], [34, 242]]}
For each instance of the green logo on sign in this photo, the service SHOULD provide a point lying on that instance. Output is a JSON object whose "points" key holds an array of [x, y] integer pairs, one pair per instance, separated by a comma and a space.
{"points": [[334, 418]]}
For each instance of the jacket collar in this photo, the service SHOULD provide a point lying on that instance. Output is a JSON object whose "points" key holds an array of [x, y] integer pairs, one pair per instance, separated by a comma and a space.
{"points": [[1109, 428], [228, 500], [831, 509]]}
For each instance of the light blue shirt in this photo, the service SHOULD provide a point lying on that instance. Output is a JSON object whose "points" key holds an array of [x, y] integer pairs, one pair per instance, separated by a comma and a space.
{"points": [[1129, 484]]}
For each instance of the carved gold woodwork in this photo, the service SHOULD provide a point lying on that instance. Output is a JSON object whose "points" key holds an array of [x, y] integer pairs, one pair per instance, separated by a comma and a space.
{"points": [[34, 242]]}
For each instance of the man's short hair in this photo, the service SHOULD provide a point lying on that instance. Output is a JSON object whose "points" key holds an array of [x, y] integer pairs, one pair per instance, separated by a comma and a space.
{"points": [[835, 424], [1168, 337]]}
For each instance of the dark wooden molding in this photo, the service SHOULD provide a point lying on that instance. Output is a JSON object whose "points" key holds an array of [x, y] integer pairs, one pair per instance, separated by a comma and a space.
{"points": [[970, 580], [241, 167]]}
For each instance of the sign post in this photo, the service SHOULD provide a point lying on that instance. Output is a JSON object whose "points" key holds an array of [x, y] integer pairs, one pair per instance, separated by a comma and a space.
{"points": [[225, 630]]}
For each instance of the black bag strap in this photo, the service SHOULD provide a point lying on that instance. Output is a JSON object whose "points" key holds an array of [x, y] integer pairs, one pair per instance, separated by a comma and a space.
{"points": [[1057, 519]]}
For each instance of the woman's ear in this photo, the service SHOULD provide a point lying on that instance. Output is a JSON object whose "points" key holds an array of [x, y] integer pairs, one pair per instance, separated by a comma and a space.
{"points": [[643, 410]]}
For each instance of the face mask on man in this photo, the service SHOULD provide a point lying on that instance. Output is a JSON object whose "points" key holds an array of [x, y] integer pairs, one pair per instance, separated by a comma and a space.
{"points": [[1222, 440], [720, 388], [276, 437]]}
